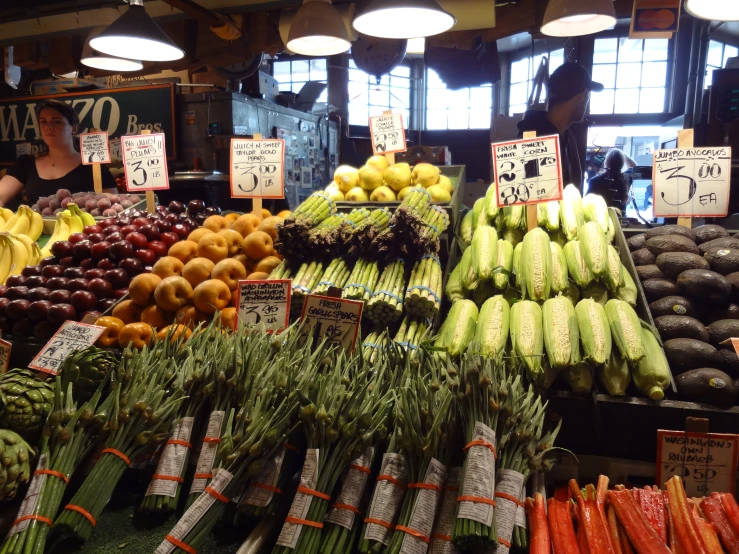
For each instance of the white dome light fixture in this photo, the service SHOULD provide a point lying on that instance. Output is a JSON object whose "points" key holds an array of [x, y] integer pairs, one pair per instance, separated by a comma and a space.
{"points": [[318, 30], [135, 35], [403, 19], [94, 59], [713, 10], [569, 18]]}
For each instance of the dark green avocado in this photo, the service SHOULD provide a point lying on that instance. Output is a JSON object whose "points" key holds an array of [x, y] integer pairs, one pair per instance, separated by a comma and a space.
{"points": [[669, 230], [673, 264], [654, 289], [707, 386], [643, 257], [704, 285], [637, 241], [704, 233], [680, 327], [673, 305], [723, 260], [686, 354]]}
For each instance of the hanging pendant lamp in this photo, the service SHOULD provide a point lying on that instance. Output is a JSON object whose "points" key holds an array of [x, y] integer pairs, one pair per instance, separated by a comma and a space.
{"points": [[94, 59], [135, 35], [318, 30], [570, 18], [403, 19], [713, 10]]}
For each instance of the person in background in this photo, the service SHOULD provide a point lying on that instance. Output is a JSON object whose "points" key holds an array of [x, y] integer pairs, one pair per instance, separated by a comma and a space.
{"points": [[611, 183], [60, 168], [569, 90]]}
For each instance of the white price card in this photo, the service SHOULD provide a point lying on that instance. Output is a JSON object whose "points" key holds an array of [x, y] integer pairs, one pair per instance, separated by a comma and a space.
{"points": [[94, 148], [707, 462], [257, 168], [5, 348], [527, 171], [692, 182], [335, 319], [71, 336], [388, 134], [145, 162], [263, 302]]}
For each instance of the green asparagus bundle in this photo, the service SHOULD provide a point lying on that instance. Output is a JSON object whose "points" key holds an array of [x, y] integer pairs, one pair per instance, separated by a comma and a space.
{"points": [[282, 271], [293, 233], [374, 345], [423, 295], [412, 332], [304, 281], [140, 419], [336, 275], [386, 304], [437, 219], [324, 240], [362, 281]]}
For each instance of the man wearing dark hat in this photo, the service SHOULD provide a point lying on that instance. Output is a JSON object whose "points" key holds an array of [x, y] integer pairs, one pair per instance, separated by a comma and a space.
{"points": [[569, 90]]}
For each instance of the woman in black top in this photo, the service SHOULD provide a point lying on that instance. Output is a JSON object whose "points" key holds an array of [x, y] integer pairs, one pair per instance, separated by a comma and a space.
{"points": [[61, 168]]}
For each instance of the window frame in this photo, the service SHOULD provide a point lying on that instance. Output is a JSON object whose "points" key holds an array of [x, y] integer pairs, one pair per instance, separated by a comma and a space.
{"points": [[722, 40], [410, 123], [298, 58], [425, 109], [545, 47]]}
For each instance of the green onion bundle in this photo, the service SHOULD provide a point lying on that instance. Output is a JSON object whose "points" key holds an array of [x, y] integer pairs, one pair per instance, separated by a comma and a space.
{"points": [[386, 304], [411, 333], [304, 281], [293, 233], [362, 281], [444, 525], [423, 295], [336, 275]]}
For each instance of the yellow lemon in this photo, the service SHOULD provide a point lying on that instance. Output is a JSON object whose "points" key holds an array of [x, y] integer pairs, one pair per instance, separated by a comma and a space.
{"points": [[446, 183], [370, 177], [334, 193], [357, 194], [398, 176], [425, 175], [346, 177], [439, 194], [382, 194], [402, 194], [380, 162]]}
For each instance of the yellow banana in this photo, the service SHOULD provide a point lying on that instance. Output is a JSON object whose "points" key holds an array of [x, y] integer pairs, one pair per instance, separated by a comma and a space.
{"points": [[18, 256], [37, 225], [23, 224], [87, 219], [66, 228], [6, 214], [10, 223], [60, 228], [36, 255], [5, 258], [27, 242]]}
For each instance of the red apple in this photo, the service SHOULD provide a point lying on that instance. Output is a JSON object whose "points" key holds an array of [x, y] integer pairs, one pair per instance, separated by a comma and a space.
{"points": [[68, 261], [148, 269], [94, 273], [22, 328], [119, 293], [138, 240], [96, 237], [121, 250], [123, 220], [159, 248], [162, 209], [31, 270], [181, 230], [132, 266], [156, 216], [106, 263], [74, 272], [56, 283], [3, 304], [172, 218], [106, 303], [3, 290], [191, 223], [43, 330], [141, 221], [59, 313], [17, 308], [146, 256], [78, 284], [60, 296], [118, 278], [82, 249], [87, 263], [36, 281], [150, 231], [77, 237], [100, 250], [15, 281], [100, 288], [61, 249], [36, 293], [17, 293], [83, 300], [115, 237], [91, 229], [128, 229], [37, 310], [163, 226]]}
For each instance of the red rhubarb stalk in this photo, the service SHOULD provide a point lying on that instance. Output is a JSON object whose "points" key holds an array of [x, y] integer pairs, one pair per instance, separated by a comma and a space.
{"points": [[600, 502], [714, 512], [674, 543], [643, 537], [732, 510], [685, 526], [561, 530], [652, 504], [622, 544], [539, 542], [707, 532], [595, 529]]}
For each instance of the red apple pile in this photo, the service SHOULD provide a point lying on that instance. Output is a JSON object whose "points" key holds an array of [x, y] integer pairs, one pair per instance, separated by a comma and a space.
{"points": [[88, 273]]}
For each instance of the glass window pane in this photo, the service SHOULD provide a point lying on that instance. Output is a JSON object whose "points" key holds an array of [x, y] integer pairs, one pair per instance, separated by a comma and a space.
{"points": [[283, 78], [433, 80], [281, 68], [295, 87], [655, 50], [481, 97], [556, 59], [480, 119], [318, 75], [318, 64], [627, 100], [628, 75], [715, 54], [357, 91], [358, 76], [652, 100], [519, 94], [398, 99], [379, 97], [729, 52], [436, 99], [436, 119], [301, 70], [400, 82], [520, 70], [459, 119], [654, 74], [406, 117], [517, 109], [605, 50], [323, 97], [358, 114], [459, 98], [629, 50], [602, 102], [375, 111], [605, 74], [708, 80], [401, 71]]}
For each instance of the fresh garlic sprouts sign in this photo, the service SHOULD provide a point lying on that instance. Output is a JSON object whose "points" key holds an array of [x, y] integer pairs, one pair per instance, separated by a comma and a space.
{"points": [[334, 319]]}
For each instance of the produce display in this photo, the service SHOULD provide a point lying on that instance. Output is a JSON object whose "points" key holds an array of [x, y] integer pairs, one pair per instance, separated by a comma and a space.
{"points": [[95, 204], [379, 181], [691, 280]]}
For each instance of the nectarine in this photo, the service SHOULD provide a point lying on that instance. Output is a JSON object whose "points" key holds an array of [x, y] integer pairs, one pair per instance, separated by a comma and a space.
{"points": [[258, 245], [167, 267], [211, 296], [127, 311], [175, 332], [156, 317], [233, 239], [173, 293], [136, 334], [199, 233], [214, 247], [269, 226], [142, 287], [189, 315], [216, 222], [184, 251], [247, 223], [230, 272], [268, 264], [228, 318], [257, 276], [198, 270]]}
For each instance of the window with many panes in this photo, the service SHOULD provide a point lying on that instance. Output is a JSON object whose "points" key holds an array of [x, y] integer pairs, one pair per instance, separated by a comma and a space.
{"points": [[292, 75], [369, 98], [634, 74], [718, 54], [522, 79], [465, 108]]}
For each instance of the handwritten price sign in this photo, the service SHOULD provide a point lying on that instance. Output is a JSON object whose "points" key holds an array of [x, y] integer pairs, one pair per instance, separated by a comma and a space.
{"points": [[706, 462], [257, 168], [334, 319], [94, 148], [71, 336], [388, 135], [527, 171], [145, 162], [692, 182], [265, 303]]}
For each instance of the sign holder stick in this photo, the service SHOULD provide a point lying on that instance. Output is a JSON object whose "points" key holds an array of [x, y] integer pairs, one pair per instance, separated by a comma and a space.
{"points": [[256, 202], [389, 157], [685, 140], [97, 177], [150, 203], [532, 221]]}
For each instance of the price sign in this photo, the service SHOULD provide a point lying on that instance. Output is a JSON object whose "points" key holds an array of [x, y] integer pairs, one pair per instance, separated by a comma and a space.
{"points": [[706, 462], [94, 148], [527, 171], [5, 348], [71, 336], [145, 162], [388, 135], [257, 168], [265, 303], [692, 182], [334, 319]]}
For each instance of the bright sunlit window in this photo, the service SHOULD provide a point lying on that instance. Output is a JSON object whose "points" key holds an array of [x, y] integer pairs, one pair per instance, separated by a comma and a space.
{"points": [[293, 74], [522, 79], [718, 54], [466, 108], [634, 73], [367, 98]]}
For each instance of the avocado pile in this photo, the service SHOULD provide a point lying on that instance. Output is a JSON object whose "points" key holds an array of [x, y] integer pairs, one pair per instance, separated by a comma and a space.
{"points": [[691, 280]]}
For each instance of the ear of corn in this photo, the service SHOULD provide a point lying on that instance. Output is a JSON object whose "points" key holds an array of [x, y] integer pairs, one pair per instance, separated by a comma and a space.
{"points": [[614, 276], [484, 252], [476, 211], [517, 264], [597, 292], [595, 331], [458, 328], [595, 209], [466, 228], [491, 202], [493, 324], [570, 211], [594, 248], [527, 337], [579, 377], [468, 276], [547, 215], [561, 336], [514, 217], [625, 330], [560, 279], [514, 236], [577, 269], [611, 232], [453, 289], [536, 265], [615, 376], [627, 291], [482, 217], [652, 373], [504, 259]]}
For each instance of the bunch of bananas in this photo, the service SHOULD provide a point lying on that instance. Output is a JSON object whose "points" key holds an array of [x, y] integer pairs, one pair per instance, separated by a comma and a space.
{"points": [[17, 252], [70, 221], [23, 222]]}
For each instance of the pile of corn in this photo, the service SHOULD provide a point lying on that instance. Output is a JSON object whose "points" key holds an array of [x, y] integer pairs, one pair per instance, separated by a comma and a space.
{"points": [[559, 293]]}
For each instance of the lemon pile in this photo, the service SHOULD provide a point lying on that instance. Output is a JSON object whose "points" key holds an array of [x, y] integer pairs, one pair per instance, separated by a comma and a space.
{"points": [[378, 181]]}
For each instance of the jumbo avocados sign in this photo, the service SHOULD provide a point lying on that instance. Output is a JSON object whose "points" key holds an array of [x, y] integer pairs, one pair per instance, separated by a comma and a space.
{"points": [[120, 111]]}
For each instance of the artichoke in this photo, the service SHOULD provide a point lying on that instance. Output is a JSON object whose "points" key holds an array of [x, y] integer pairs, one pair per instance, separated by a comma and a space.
{"points": [[86, 369], [26, 401], [15, 470]]}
